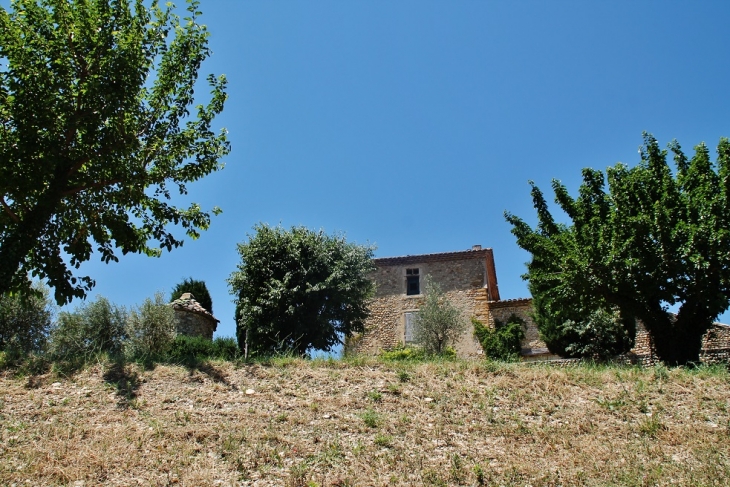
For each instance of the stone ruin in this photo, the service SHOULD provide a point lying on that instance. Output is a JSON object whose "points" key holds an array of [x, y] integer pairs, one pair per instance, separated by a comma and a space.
{"points": [[191, 319]]}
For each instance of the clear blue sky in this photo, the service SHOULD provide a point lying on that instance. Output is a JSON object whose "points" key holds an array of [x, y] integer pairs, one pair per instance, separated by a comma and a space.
{"points": [[413, 125]]}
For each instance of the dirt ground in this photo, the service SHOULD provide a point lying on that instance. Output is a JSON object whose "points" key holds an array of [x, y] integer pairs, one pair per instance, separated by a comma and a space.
{"points": [[364, 422]]}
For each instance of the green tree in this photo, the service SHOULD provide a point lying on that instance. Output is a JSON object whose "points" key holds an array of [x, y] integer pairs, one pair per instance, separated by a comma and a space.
{"points": [[150, 329], [198, 289], [656, 239], [299, 290], [95, 100], [504, 341], [98, 326], [25, 320], [438, 323]]}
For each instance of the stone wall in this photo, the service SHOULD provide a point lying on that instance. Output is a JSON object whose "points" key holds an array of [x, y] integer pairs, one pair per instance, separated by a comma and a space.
{"points": [[193, 324], [532, 346], [715, 346], [463, 277], [192, 319]]}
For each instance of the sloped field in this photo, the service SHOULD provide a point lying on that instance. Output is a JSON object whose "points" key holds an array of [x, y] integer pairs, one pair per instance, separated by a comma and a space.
{"points": [[365, 422]]}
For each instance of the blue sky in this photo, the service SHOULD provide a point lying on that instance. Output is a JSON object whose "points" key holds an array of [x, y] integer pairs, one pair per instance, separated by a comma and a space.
{"points": [[414, 125]]}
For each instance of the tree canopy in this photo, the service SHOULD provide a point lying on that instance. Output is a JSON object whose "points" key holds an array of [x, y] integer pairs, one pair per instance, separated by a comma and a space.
{"points": [[299, 290], [655, 239], [96, 133]]}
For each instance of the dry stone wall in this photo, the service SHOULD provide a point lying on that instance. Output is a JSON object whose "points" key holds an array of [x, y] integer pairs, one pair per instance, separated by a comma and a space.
{"points": [[191, 319]]}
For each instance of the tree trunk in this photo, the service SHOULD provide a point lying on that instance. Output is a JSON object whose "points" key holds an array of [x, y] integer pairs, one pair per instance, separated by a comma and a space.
{"points": [[678, 339], [19, 241]]}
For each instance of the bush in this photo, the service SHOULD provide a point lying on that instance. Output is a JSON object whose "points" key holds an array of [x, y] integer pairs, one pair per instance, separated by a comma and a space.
{"points": [[504, 342], [96, 327], [25, 320], [198, 289], [438, 322], [185, 349], [403, 352], [602, 335], [150, 329]]}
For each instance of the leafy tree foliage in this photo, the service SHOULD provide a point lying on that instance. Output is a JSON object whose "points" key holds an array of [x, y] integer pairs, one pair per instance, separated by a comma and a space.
{"points": [[438, 323], [654, 240], [299, 290], [198, 289], [599, 336], [95, 98], [25, 320], [95, 327], [150, 329], [504, 342]]}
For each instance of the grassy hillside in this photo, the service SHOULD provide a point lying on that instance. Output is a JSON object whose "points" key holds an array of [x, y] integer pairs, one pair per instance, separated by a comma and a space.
{"points": [[365, 422]]}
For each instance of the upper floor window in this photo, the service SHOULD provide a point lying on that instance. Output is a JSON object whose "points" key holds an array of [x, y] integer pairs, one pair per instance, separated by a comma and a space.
{"points": [[413, 284]]}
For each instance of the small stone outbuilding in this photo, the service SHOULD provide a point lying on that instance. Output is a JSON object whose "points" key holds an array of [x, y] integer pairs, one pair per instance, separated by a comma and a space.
{"points": [[192, 319]]}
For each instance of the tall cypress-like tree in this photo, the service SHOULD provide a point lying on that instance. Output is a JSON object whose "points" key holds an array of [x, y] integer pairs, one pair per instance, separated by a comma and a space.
{"points": [[198, 289]]}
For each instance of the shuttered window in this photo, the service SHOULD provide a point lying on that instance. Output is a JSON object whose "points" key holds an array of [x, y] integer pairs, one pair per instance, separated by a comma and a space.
{"points": [[410, 327]]}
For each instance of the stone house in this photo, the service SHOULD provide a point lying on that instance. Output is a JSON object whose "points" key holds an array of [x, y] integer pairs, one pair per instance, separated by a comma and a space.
{"points": [[192, 319], [468, 279]]}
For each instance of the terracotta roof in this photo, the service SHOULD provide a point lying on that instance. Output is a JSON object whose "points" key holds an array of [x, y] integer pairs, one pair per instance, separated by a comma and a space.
{"points": [[188, 303], [473, 253]]}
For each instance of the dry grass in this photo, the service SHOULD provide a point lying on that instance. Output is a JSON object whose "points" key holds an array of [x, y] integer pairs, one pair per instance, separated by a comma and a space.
{"points": [[365, 422]]}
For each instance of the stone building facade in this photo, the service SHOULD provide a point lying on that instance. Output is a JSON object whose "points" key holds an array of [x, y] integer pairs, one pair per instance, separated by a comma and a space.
{"points": [[468, 279], [192, 319]]}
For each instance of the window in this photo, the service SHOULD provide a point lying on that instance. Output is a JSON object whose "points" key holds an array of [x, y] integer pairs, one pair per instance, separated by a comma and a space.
{"points": [[413, 285], [410, 327]]}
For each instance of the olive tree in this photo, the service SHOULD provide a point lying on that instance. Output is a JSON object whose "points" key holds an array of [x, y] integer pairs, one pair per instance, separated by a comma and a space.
{"points": [[299, 290], [439, 322]]}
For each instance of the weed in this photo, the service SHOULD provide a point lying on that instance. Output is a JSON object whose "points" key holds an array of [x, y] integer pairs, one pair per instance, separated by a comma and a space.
{"points": [[479, 474], [281, 418], [385, 441], [651, 426], [457, 468], [432, 477], [404, 376], [375, 396], [371, 418]]}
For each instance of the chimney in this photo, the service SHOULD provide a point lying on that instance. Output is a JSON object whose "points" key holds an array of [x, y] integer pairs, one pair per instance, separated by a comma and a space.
{"points": [[476, 247]]}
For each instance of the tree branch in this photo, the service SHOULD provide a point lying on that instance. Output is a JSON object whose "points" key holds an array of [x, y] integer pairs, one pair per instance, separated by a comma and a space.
{"points": [[13, 216], [98, 185]]}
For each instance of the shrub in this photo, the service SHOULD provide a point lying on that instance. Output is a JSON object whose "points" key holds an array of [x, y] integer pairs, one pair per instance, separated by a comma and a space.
{"points": [[438, 322], [404, 352], [197, 288], [92, 328], [504, 342], [187, 349], [25, 320], [150, 329], [602, 335]]}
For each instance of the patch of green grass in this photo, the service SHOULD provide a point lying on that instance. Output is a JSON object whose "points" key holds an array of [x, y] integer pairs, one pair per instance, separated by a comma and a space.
{"points": [[385, 441], [371, 418], [375, 396]]}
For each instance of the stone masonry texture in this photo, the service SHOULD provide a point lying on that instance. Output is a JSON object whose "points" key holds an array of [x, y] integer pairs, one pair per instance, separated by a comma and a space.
{"points": [[469, 280], [192, 319]]}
